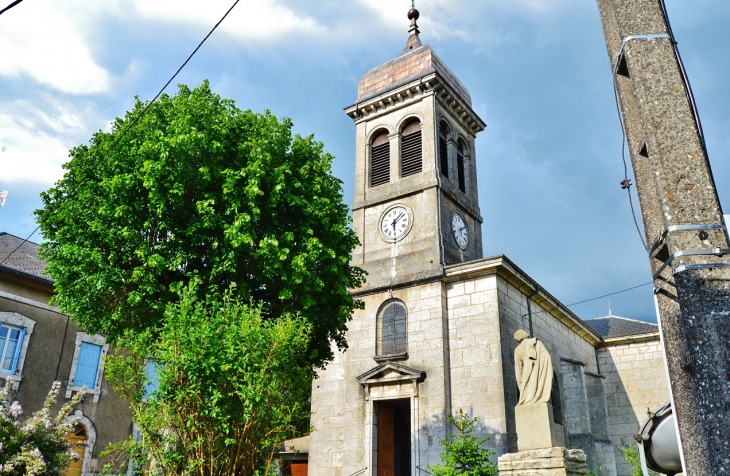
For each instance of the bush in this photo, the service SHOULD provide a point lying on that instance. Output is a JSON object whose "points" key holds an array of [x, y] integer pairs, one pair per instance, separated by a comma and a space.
{"points": [[631, 455], [36, 446]]}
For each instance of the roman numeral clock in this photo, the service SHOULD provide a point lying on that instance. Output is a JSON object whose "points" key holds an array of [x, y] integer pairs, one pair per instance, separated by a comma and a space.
{"points": [[396, 222]]}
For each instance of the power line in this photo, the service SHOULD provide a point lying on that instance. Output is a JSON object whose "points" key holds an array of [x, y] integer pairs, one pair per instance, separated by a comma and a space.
{"points": [[610, 294], [136, 120], [10, 6]]}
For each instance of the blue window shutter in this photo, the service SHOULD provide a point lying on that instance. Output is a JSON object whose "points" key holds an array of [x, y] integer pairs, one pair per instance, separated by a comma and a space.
{"points": [[153, 382], [16, 357], [87, 365]]}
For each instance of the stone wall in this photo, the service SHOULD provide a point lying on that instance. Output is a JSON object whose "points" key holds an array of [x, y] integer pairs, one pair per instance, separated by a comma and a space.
{"points": [[475, 356], [560, 340], [340, 444], [635, 380]]}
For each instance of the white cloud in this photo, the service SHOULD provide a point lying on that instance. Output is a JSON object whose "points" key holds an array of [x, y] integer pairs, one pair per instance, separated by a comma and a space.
{"points": [[35, 141], [40, 39], [261, 20]]}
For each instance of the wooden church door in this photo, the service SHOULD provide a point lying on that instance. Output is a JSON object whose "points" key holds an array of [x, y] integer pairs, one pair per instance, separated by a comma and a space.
{"points": [[394, 441], [386, 439]]}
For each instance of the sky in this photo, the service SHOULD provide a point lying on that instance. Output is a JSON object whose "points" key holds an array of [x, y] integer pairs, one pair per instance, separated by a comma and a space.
{"points": [[549, 162]]}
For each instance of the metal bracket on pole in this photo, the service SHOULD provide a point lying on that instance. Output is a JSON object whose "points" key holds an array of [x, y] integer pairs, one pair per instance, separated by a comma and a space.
{"points": [[673, 228], [705, 252], [635, 37]]}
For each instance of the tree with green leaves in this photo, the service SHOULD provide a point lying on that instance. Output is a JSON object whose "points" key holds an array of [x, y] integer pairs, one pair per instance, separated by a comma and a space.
{"points": [[464, 453], [200, 188], [231, 387]]}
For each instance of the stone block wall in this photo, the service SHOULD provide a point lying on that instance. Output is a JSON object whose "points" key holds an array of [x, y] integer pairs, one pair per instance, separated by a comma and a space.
{"points": [[475, 356], [560, 340], [339, 444], [635, 380]]}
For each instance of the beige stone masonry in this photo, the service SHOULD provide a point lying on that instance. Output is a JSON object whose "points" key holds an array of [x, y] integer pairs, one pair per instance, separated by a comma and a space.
{"points": [[536, 428], [545, 462]]}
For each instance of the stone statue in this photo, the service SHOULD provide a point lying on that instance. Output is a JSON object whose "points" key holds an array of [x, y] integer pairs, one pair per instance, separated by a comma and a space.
{"points": [[533, 370]]}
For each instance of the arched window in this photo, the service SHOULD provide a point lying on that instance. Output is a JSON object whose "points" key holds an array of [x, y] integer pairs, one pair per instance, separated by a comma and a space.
{"points": [[380, 159], [392, 330], [460, 165], [444, 149], [555, 400], [411, 150]]}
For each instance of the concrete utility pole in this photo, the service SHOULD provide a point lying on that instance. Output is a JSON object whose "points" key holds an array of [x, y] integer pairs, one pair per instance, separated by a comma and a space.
{"points": [[683, 223]]}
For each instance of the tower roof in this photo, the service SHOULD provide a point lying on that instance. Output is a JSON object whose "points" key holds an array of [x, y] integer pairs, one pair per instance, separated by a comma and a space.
{"points": [[414, 62]]}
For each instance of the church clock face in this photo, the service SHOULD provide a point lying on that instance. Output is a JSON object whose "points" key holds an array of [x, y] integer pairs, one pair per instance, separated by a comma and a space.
{"points": [[459, 230], [395, 223]]}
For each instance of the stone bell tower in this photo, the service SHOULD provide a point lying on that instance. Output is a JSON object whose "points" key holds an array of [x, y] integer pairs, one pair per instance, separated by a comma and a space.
{"points": [[416, 207]]}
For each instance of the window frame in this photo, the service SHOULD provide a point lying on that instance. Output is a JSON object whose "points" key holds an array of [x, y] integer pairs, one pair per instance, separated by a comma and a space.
{"points": [[20, 321], [82, 337], [379, 355]]}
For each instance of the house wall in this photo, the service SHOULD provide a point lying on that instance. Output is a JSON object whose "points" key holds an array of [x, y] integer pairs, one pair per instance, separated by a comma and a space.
{"points": [[635, 380], [49, 356]]}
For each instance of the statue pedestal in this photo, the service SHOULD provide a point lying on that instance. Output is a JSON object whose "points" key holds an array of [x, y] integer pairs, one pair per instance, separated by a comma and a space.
{"points": [[536, 428], [544, 462]]}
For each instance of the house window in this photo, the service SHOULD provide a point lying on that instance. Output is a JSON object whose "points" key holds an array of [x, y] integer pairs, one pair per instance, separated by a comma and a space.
{"points": [[444, 149], [15, 331], [380, 159], [11, 341], [392, 339], [460, 166], [411, 149], [153, 381], [87, 367]]}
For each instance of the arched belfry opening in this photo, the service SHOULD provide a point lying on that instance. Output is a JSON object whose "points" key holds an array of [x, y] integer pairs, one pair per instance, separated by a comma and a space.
{"points": [[444, 131], [380, 159], [411, 148], [460, 164]]}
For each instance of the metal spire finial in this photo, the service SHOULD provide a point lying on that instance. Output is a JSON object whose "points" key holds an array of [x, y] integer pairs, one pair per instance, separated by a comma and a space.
{"points": [[413, 40]]}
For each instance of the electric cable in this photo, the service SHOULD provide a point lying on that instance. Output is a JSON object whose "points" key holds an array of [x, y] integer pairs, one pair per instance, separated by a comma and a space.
{"points": [[136, 120], [10, 6], [610, 294], [626, 183]]}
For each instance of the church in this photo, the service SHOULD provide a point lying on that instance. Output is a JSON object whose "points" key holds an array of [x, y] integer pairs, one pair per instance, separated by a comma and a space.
{"points": [[436, 333]]}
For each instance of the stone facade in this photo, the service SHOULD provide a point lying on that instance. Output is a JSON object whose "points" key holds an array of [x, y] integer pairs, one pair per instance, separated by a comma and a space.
{"points": [[384, 414], [635, 380]]}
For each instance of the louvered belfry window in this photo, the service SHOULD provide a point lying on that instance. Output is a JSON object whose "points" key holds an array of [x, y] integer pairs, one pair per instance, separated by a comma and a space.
{"points": [[380, 160], [392, 330], [460, 167], [443, 151], [411, 149]]}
